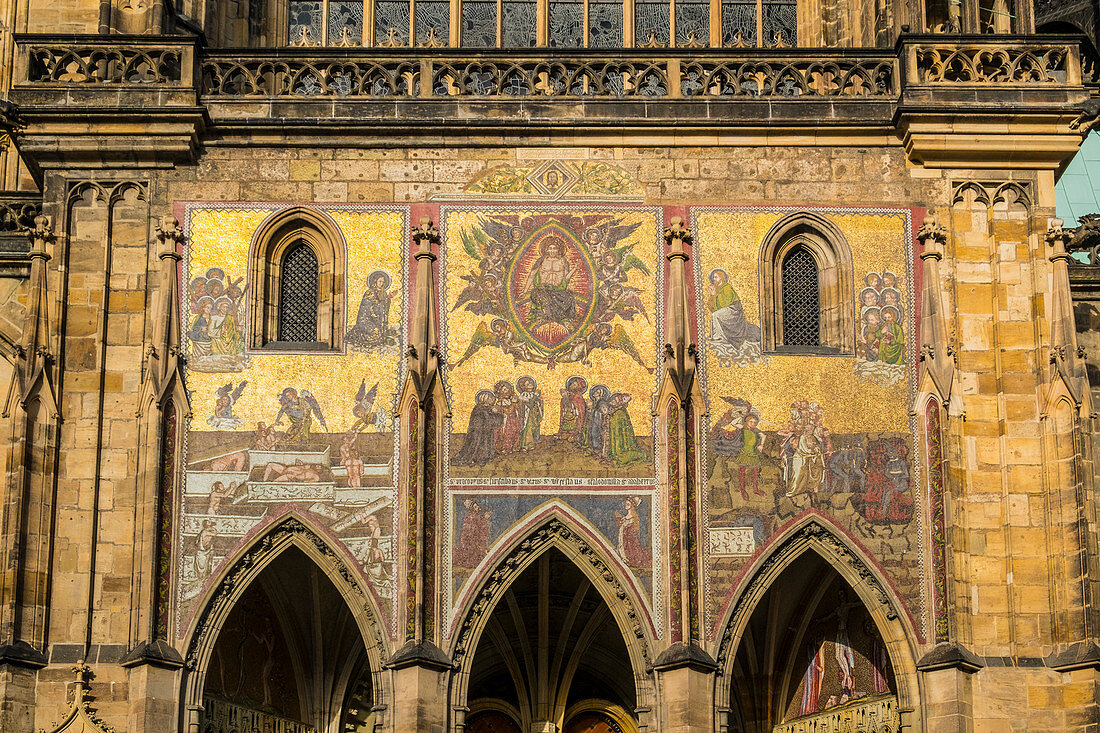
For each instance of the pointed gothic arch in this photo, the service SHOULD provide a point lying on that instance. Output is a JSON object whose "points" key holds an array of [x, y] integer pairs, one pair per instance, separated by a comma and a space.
{"points": [[315, 234], [815, 534], [238, 574], [556, 529], [809, 234]]}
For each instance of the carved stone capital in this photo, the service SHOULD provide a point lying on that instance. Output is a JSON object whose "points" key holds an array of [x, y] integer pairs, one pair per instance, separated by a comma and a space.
{"points": [[170, 236], [1058, 239], [40, 234], [932, 237], [425, 236], [676, 236]]}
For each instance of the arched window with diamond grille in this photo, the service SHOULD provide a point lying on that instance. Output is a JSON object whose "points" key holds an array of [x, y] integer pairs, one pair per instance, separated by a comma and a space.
{"points": [[801, 301], [807, 290], [296, 297]]}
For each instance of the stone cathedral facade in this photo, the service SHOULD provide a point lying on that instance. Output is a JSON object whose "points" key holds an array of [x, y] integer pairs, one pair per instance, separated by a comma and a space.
{"points": [[545, 366]]}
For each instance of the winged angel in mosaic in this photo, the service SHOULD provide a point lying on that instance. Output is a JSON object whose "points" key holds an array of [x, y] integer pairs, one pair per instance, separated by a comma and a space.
{"points": [[554, 290]]}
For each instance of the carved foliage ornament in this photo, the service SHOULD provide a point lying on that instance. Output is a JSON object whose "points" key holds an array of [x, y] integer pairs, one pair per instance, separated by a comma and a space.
{"points": [[82, 717], [511, 567], [793, 545]]}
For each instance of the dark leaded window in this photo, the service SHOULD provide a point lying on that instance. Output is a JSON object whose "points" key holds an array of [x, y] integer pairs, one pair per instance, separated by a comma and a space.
{"points": [[780, 22], [801, 299], [298, 294]]}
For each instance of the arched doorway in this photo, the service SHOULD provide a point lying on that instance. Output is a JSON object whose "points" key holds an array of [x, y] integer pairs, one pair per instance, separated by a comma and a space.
{"points": [[551, 658], [289, 656], [811, 657]]}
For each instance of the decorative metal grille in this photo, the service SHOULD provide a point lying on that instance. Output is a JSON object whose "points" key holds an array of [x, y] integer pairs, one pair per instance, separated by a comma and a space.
{"points": [[566, 24], [391, 16], [305, 15], [692, 24], [433, 22], [519, 24], [345, 22], [780, 22], [738, 17], [479, 24], [605, 24], [298, 295], [801, 299], [651, 25]]}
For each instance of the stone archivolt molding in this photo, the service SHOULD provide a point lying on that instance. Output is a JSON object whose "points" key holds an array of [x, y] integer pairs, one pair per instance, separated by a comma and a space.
{"points": [[553, 532], [813, 533], [252, 562]]}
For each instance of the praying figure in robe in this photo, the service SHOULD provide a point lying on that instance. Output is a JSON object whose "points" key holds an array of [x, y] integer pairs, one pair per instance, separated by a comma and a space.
{"points": [[621, 445], [507, 406], [530, 411], [890, 338], [728, 325], [372, 323], [598, 408], [573, 409], [480, 445], [629, 545], [473, 537]]}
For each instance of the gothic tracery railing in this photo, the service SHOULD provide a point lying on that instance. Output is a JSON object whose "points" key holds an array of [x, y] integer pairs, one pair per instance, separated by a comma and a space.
{"points": [[454, 73], [993, 60], [508, 75]]}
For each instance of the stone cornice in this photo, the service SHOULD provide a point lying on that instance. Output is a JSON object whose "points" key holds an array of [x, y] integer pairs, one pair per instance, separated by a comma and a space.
{"points": [[952, 101]]}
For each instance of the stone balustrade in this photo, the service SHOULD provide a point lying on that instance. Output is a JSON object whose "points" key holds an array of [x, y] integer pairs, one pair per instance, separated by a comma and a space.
{"points": [[991, 60], [104, 60], [455, 73], [222, 716], [875, 715]]}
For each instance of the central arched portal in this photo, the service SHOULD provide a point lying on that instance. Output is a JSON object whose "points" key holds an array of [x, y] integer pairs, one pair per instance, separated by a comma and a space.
{"points": [[551, 658], [289, 657]]}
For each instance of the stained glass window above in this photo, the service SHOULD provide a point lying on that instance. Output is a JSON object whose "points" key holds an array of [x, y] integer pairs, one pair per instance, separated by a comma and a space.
{"points": [[305, 22], [605, 25], [391, 23], [566, 24], [479, 23], [432, 22], [780, 22], [651, 22], [518, 23], [692, 24], [738, 23]]}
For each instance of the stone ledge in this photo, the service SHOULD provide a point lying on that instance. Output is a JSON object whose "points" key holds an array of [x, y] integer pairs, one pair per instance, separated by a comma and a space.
{"points": [[948, 655], [424, 654]]}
